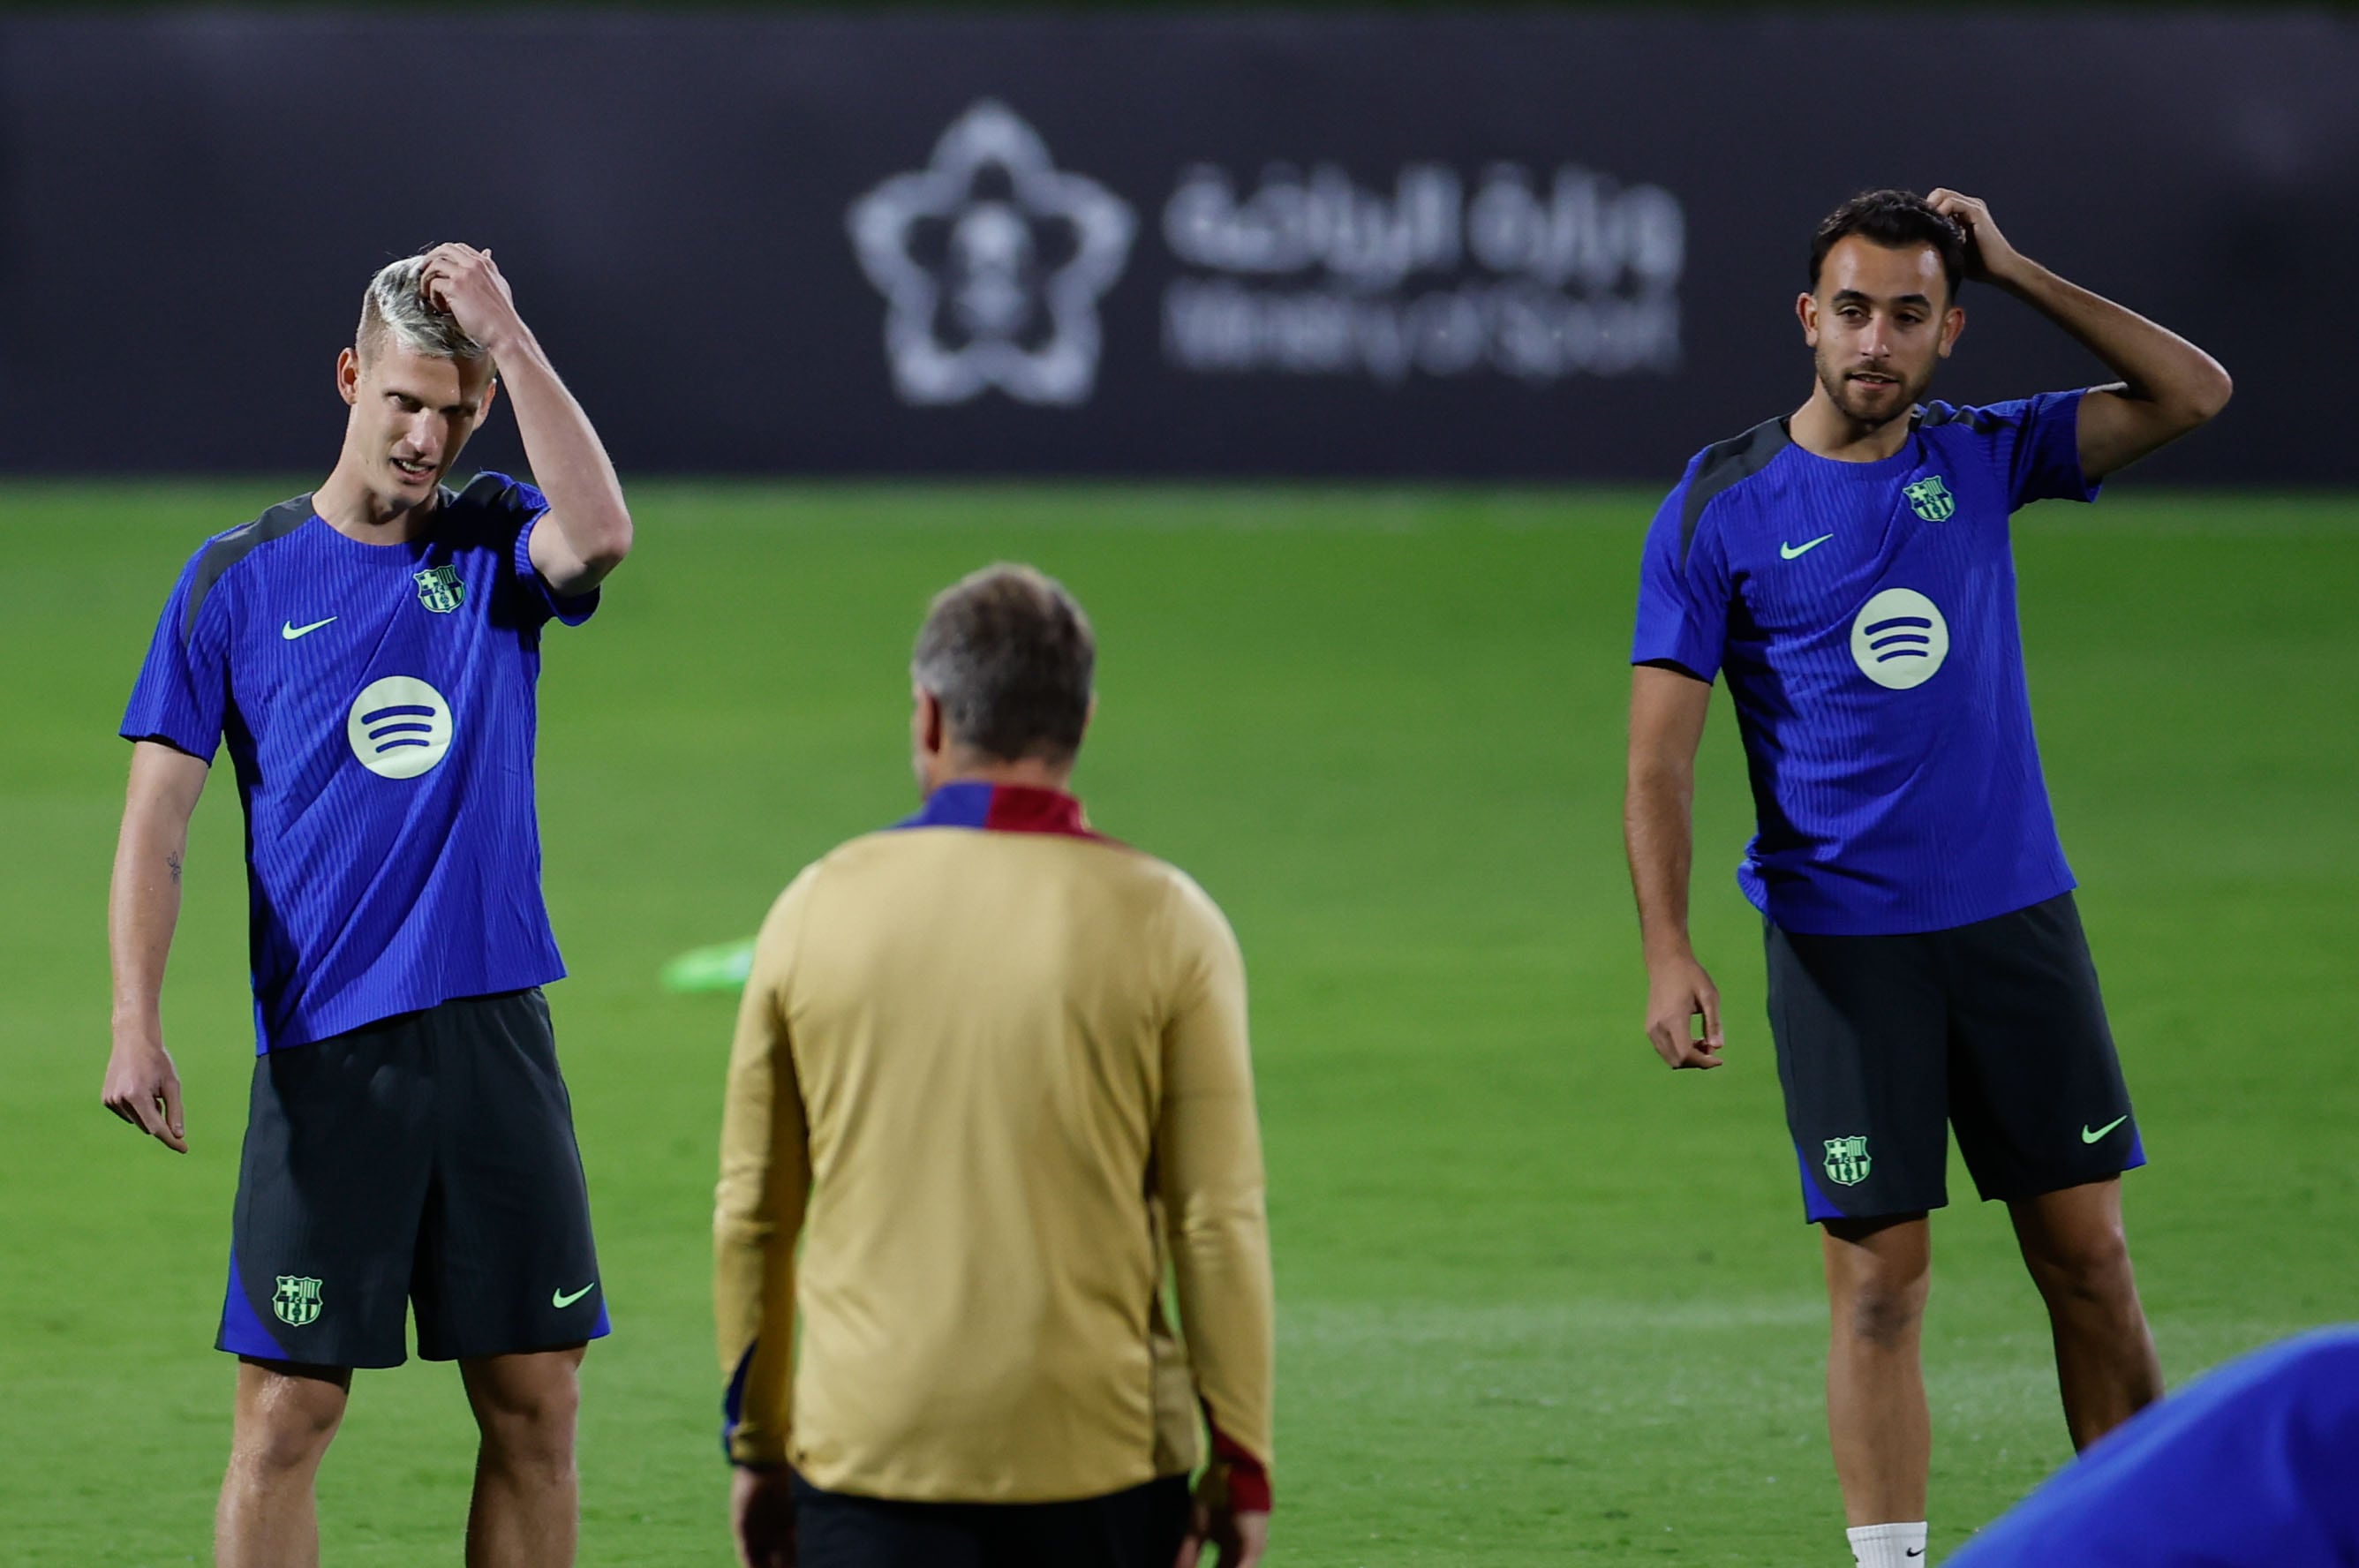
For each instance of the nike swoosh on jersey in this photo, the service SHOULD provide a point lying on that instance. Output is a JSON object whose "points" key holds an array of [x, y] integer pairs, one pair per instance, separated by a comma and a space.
{"points": [[1791, 550], [559, 1298], [290, 631], [2088, 1137]]}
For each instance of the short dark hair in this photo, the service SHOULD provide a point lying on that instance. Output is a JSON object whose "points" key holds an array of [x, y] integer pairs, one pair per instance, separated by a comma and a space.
{"points": [[1009, 655], [1896, 218]]}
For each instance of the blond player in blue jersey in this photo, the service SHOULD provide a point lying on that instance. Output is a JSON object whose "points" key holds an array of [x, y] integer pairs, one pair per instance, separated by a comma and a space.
{"points": [[990, 1082], [369, 653]]}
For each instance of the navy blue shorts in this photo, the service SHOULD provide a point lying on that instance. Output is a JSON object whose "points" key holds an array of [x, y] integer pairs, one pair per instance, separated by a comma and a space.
{"points": [[1994, 1029], [427, 1160]]}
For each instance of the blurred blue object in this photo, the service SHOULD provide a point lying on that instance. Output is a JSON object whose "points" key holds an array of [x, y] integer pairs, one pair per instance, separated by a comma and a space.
{"points": [[2250, 1467]]}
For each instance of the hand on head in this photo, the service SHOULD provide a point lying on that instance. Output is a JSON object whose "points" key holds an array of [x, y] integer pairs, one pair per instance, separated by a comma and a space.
{"points": [[1988, 255], [466, 284]]}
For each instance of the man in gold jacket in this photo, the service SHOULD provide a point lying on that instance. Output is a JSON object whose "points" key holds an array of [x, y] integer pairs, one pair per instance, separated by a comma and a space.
{"points": [[991, 1077]]}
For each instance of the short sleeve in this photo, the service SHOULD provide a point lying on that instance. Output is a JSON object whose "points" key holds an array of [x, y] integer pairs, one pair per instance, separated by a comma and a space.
{"points": [[2043, 459], [1683, 591], [525, 507], [182, 692]]}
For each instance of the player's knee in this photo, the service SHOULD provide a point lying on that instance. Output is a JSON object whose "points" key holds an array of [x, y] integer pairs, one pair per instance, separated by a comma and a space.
{"points": [[1885, 1315], [1881, 1301], [531, 1421], [288, 1424], [2093, 1268]]}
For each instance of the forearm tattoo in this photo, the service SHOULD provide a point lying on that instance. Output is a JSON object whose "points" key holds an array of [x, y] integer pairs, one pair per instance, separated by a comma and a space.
{"points": [[172, 861]]}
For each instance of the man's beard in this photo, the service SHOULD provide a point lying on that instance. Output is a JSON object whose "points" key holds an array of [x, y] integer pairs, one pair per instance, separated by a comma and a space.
{"points": [[1847, 399]]}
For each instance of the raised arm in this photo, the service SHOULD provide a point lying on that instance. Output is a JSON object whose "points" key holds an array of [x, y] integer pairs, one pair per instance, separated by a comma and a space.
{"points": [[142, 909], [757, 1219], [588, 531], [1667, 714], [2168, 385], [1208, 1165]]}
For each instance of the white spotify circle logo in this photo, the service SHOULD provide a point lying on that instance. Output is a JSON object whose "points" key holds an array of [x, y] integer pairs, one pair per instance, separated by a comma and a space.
{"points": [[399, 726], [1899, 638]]}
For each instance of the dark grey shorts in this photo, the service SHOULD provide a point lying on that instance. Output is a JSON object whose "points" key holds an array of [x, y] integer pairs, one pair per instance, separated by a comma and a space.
{"points": [[426, 1160], [1995, 1029]]}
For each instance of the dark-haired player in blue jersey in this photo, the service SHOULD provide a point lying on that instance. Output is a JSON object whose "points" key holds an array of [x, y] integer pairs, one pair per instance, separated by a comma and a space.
{"points": [[1848, 567], [370, 652]]}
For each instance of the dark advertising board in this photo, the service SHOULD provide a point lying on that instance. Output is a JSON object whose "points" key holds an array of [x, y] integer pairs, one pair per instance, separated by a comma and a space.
{"points": [[1507, 246]]}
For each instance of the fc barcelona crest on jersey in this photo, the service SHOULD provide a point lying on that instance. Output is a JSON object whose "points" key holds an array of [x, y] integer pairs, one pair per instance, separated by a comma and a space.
{"points": [[1847, 1161], [297, 1300], [1932, 499], [439, 590]]}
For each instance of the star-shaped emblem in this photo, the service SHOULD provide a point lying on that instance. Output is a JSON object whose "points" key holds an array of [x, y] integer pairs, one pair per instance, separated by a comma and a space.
{"points": [[991, 261]]}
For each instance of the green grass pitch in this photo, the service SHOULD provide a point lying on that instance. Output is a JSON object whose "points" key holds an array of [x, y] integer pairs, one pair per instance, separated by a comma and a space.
{"points": [[1540, 1301]]}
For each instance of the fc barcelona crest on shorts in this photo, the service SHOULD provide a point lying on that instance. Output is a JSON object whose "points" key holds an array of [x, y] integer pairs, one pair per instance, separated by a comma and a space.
{"points": [[439, 590], [1847, 1161], [1932, 499], [297, 1300]]}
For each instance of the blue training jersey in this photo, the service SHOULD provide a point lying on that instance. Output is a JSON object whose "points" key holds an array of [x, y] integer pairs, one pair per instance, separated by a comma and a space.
{"points": [[1865, 614], [378, 702], [2249, 1467]]}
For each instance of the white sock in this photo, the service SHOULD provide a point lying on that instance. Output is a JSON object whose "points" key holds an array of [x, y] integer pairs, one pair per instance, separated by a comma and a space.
{"points": [[1888, 1545]]}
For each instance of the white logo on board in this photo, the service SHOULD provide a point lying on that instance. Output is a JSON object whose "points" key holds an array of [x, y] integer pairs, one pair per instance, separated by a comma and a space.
{"points": [[991, 261], [1899, 638], [399, 726]]}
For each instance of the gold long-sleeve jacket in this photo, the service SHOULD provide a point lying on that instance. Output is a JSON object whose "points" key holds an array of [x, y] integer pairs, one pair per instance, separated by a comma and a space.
{"points": [[990, 1074]]}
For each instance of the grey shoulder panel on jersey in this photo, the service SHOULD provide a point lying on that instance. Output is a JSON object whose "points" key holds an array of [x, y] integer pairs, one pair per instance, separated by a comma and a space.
{"points": [[236, 546], [1978, 420], [1724, 463], [482, 490]]}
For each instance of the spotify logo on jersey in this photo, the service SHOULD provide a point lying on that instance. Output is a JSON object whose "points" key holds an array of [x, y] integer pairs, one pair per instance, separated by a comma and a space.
{"points": [[399, 726], [1899, 638]]}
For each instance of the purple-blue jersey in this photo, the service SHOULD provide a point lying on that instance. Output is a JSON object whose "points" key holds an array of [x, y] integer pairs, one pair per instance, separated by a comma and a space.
{"points": [[1864, 615], [378, 702], [2249, 1467]]}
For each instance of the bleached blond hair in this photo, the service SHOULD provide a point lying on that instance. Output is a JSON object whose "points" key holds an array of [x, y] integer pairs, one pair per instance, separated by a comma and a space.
{"points": [[393, 307]]}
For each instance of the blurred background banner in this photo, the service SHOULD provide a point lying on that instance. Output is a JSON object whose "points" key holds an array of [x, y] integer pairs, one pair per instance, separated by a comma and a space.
{"points": [[1548, 247]]}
